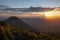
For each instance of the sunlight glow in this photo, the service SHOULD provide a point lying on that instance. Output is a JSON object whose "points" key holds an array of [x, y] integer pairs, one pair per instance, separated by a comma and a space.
{"points": [[48, 14], [52, 14]]}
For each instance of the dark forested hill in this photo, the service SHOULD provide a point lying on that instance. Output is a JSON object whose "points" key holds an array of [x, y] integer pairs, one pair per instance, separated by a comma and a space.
{"points": [[10, 32]]}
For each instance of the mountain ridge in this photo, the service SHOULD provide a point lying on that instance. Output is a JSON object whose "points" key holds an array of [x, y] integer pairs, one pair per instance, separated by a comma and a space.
{"points": [[8, 32], [15, 21]]}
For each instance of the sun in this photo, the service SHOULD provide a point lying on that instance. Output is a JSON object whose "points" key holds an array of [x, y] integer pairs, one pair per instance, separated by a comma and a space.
{"points": [[47, 14]]}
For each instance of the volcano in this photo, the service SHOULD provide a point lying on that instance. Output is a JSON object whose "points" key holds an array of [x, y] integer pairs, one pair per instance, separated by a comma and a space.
{"points": [[15, 21]]}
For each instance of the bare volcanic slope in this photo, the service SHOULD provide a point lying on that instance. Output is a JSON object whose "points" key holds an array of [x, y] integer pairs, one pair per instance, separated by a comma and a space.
{"points": [[14, 21]]}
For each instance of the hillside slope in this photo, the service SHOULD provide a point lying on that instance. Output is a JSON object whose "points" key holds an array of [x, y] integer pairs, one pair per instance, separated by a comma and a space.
{"points": [[8, 32], [15, 21]]}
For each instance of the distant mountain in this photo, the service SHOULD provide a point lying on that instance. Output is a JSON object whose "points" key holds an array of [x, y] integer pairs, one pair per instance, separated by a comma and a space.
{"points": [[30, 9], [16, 9], [57, 9], [3, 7], [17, 22]]}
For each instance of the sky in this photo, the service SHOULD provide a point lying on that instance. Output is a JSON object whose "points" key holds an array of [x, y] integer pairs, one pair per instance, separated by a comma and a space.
{"points": [[28, 3]]}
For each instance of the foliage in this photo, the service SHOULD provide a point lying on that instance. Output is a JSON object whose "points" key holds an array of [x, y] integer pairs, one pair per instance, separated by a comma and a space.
{"points": [[8, 32]]}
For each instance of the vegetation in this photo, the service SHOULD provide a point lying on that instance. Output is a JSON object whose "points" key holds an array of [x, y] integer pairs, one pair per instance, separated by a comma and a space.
{"points": [[8, 32]]}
